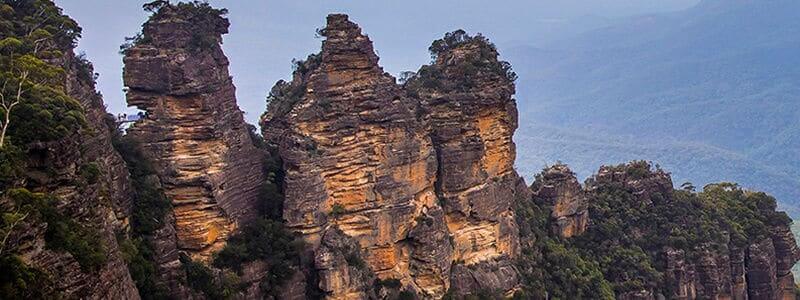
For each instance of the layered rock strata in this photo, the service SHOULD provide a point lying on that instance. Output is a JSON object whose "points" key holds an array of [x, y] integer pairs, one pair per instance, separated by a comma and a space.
{"points": [[417, 187], [468, 98], [192, 128], [558, 188], [100, 205], [356, 156]]}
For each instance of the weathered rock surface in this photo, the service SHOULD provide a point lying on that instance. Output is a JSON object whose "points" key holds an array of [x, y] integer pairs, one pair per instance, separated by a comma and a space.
{"points": [[679, 275], [716, 270], [342, 272], [102, 205], [416, 194], [192, 128], [355, 154], [558, 188], [110, 198], [786, 254], [473, 117], [761, 270]]}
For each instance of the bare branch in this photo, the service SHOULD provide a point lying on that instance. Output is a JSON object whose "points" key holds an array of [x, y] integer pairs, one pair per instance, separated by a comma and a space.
{"points": [[11, 230], [2, 93]]}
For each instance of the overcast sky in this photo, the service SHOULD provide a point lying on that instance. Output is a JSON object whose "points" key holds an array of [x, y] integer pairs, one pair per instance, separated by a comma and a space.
{"points": [[266, 35]]}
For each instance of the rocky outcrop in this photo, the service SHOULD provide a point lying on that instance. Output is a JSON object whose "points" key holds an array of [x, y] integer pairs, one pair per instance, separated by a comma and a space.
{"points": [[637, 179], [98, 204], [761, 270], [109, 199], [356, 156], [557, 187], [786, 254], [343, 273], [115, 182], [757, 267], [678, 275], [192, 128], [471, 129], [467, 95], [417, 187]]}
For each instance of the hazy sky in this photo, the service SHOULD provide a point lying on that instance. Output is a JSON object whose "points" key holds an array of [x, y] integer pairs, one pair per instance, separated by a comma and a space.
{"points": [[266, 35]]}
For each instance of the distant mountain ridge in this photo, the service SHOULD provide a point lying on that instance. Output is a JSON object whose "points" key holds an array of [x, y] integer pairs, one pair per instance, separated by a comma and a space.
{"points": [[722, 75]]}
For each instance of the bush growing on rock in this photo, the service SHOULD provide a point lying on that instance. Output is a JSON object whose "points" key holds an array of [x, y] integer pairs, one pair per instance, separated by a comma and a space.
{"points": [[623, 249], [469, 59], [63, 233]]}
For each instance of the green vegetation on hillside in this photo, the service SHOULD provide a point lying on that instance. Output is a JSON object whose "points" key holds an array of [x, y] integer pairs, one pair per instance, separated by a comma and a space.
{"points": [[266, 240], [150, 208], [478, 57], [63, 233], [19, 281], [33, 104], [35, 44], [624, 247], [548, 266], [222, 285]]}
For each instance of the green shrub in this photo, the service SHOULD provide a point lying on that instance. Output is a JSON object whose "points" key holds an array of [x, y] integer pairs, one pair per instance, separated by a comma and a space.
{"points": [[141, 264], [265, 240], [84, 68], [337, 210], [64, 233], [19, 281], [90, 172], [354, 259], [12, 165], [391, 283], [208, 23], [406, 295], [484, 60], [150, 205], [284, 95], [200, 278]]}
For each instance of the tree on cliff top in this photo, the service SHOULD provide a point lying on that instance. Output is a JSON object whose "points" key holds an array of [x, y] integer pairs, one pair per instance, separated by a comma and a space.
{"points": [[32, 100], [460, 62], [207, 22], [624, 247]]}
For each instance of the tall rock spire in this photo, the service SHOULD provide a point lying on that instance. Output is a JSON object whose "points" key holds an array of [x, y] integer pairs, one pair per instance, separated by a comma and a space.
{"points": [[467, 94], [421, 180], [357, 157], [192, 128]]}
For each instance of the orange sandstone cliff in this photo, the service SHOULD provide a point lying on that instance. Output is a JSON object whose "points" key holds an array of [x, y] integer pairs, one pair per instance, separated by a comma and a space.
{"points": [[421, 181]]}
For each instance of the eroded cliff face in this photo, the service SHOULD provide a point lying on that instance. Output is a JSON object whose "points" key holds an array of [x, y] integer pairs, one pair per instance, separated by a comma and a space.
{"points": [[718, 269], [468, 100], [99, 204], [192, 128], [558, 188], [112, 193], [357, 159], [417, 187]]}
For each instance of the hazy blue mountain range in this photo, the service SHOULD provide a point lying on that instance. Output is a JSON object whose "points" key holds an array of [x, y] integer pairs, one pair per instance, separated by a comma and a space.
{"points": [[711, 93]]}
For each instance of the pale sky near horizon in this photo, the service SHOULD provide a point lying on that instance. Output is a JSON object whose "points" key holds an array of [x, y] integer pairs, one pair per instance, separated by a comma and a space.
{"points": [[266, 35]]}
